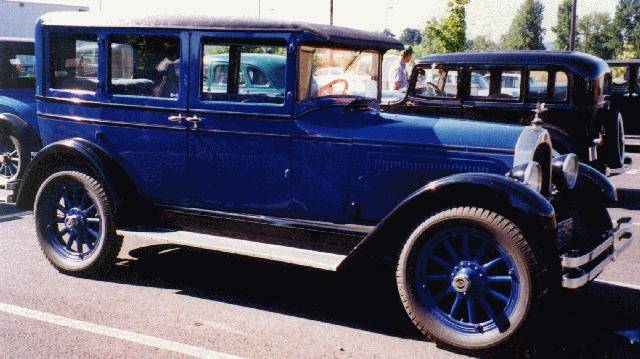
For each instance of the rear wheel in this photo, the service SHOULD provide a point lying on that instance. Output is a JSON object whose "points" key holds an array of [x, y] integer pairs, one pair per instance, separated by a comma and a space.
{"points": [[74, 224], [614, 141], [12, 156], [466, 278]]}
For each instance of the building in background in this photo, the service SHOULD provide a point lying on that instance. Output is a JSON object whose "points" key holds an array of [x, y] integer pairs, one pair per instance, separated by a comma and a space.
{"points": [[18, 18]]}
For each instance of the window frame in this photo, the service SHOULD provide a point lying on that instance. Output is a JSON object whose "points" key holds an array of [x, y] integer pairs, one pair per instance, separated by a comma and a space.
{"points": [[413, 82], [177, 102], [310, 99], [493, 69], [47, 67], [234, 67]]}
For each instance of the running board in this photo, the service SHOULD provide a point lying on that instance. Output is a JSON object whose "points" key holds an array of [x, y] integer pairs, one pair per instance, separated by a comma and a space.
{"points": [[273, 252]]}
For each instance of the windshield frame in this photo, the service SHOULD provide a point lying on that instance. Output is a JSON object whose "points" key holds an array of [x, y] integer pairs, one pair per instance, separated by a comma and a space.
{"points": [[377, 53]]}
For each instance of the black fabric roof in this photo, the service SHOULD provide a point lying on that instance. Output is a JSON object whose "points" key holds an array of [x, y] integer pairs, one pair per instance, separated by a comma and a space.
{"points": [[319, 32], [578, 62]]}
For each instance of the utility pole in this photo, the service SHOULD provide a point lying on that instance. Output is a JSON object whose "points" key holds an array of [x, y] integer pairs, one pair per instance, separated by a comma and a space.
{"points": [[572, 36], [330, 12], [259, 8], [386, 16]]}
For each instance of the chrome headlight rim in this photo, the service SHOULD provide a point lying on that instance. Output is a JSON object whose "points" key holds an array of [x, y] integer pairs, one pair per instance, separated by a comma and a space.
{"points": [[565, 171], [529, 174]]}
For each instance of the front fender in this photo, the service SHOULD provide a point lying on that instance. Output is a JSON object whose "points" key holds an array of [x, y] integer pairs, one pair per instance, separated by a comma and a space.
{"points": [[593, 184], [75, 153], [525, 207]]}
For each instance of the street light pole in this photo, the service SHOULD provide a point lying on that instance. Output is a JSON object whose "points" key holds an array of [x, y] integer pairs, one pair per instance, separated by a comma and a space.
{"points": [[572, 38], [330, 12], [386, 16], [259, 9]]}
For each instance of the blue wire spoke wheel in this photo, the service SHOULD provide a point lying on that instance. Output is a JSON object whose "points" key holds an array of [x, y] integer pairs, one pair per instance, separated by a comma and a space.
{"points": [[464, 277], [73, 222]]}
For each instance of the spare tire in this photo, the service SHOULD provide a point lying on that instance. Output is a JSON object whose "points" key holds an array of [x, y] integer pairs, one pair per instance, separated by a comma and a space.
{"points": [[614, 150]]}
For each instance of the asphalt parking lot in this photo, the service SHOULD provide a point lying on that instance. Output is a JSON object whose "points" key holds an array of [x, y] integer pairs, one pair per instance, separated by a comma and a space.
{"points": [[164, 301]]}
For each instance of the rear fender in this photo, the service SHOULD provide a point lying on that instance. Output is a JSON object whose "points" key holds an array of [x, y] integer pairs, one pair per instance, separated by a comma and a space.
{"points": [[81, 154], [19, 128]]}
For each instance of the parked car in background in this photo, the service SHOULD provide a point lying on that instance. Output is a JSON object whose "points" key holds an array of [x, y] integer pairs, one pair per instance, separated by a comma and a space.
{"points": [[314, 175], [572, 85], [625, 92], [261, 73], [18, 125]]}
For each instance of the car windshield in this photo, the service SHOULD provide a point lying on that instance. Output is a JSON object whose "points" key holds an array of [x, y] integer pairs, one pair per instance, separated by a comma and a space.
{"points": [[326, 72]]}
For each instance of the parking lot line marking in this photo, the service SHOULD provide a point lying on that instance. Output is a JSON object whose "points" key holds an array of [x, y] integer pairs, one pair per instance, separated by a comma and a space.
{"points": [[8, 217], [619, 284], [114, 333]]}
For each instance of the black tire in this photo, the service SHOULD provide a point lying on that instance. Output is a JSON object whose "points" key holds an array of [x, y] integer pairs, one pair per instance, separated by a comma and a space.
{"points": [[506, 235], [614, 149], [68, 193], [14, 157]]}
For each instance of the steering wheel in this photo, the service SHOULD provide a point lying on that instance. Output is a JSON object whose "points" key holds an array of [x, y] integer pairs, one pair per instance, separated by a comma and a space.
{"points": [[434, 89], [328, 89]]}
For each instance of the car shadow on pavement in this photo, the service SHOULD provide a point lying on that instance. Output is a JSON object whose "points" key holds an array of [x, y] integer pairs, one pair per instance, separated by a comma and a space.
{"points": [[628, 199], [601, 320]]}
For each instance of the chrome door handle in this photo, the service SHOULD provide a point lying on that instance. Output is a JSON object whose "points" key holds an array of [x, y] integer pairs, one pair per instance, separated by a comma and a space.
{"points": [[175, 118], [195, 120]]}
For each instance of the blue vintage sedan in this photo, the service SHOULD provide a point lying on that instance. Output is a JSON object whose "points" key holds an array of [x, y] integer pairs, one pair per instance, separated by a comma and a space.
{"points": [[228, 135]]}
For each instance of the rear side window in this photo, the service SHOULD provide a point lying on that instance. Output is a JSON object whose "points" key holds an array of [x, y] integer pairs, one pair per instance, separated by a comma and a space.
{"points": [[145, 66], [538, 83], [73, 62], [434, 82], [561, 84]]}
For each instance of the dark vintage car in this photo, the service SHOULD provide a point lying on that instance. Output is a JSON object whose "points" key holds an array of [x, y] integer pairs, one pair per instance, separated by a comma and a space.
{"points": [[625, 92], [314, 175], [18, 127], [506, 86]]}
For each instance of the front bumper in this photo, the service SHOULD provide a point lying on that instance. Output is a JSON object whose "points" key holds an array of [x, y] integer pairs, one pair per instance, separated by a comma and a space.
{"points": [[581, 267]]}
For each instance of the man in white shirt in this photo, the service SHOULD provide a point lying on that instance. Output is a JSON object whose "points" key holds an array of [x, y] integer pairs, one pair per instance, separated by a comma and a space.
{"points": [[399, 78]]}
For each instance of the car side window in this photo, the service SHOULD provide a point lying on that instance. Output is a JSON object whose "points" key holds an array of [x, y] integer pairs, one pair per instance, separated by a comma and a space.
{"points": [[561, 86], [480, 83], [18, 69], [619, 77], [510, 84], [538, 84], [73, 62], [243, 73], [437, 82], [145, 66]]}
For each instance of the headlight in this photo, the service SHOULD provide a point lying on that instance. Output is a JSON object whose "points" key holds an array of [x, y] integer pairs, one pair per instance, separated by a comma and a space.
{"points": [[530, 174], [565, 171]]}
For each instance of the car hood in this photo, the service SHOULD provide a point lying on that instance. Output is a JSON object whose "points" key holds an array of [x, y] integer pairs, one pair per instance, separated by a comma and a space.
{"points": [[375, 126]]}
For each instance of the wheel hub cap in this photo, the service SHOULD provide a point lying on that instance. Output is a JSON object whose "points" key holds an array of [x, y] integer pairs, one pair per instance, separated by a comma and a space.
{"points": [[465, 276], [5, 158], [73, 219]]}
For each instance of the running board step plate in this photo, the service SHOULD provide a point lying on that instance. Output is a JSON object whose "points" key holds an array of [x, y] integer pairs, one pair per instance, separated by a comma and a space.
{"points": [[278, 253]]}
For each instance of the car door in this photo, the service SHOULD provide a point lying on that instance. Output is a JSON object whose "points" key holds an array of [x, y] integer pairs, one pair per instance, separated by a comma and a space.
{"points": [[632, 119], [122, 89], [239, 141], [495, 94]]}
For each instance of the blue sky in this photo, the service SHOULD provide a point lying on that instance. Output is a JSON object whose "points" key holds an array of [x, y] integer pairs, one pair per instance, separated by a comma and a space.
{"points": [[485, 17]]}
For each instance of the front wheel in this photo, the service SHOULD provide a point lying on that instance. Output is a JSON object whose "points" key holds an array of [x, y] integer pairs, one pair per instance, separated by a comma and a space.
{"points": [[466, 277], [74, 224]]}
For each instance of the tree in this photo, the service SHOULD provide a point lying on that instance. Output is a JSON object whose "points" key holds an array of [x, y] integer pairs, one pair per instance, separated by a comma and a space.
{"points": [[526, 31], [626, 26], [598, 34], [563, 28], [482, 43], [410, 36], [449, 34], [388, 32]]}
